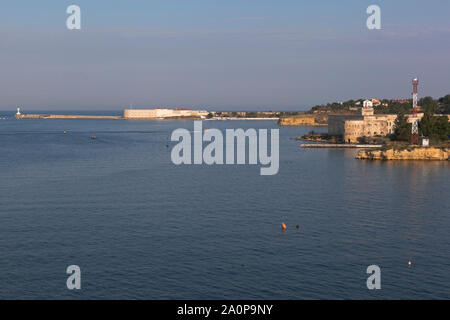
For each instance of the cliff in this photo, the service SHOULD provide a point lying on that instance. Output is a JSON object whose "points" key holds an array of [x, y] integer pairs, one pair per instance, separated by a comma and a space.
{"points": [[415, 153], [304, 120]]}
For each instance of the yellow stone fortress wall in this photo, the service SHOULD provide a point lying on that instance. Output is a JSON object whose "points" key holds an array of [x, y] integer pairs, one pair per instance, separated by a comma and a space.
{"points": [[367, 124], [162, 113]]}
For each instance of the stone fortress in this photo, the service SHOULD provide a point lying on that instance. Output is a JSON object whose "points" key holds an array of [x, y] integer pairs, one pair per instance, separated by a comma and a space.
{"points": [[162, 113], [353, 127]]}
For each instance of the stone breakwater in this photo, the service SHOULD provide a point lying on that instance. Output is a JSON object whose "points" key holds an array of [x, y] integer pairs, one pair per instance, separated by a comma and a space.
{"points": [[62, 116], [415, 153]]}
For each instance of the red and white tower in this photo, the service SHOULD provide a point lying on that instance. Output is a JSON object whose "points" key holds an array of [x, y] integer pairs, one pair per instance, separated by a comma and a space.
{"points": [[415, 121]]}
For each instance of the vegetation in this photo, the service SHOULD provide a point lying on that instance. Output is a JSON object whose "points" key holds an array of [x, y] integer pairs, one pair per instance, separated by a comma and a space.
{"points": [[429, 105], [402, 129], [444, 105], [437, 128], [440, 106], [290, 113], [394, 108], [336, 106], [433, 127]]}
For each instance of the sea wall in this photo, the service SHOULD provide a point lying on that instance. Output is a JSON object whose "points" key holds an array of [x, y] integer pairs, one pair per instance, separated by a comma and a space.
{"points": [[162, 113], [414, 153], [304, 120], [140, 114], [62, 116]]}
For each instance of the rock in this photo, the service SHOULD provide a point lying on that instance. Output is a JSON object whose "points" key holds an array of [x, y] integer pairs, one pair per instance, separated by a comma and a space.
{"points": [[413, 153], [304, 120]]}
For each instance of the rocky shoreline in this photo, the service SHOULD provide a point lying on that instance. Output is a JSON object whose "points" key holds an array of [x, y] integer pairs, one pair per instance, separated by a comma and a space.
{"points": [[412, 153]]}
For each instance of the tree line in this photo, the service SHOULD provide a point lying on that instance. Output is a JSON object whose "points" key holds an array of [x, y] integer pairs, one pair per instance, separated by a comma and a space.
{"points": [[437, 128], [440, 106]]}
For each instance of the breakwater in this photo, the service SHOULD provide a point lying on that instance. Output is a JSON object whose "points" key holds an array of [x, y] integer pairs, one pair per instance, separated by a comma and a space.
{"points": [[62, 116]]}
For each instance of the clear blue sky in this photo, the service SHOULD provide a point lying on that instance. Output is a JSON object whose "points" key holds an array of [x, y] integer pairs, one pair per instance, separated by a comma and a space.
{"points": [[235, 55]]}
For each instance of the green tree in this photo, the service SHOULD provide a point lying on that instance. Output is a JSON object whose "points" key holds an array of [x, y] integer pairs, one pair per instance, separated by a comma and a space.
{"points": [[434, 127], [398, 107], [444, 103], [443, 128], [428, 104], [402, 129]]}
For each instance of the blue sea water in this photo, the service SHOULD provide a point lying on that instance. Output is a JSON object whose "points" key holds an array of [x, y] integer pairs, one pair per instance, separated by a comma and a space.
{"points": [[140, 227]]}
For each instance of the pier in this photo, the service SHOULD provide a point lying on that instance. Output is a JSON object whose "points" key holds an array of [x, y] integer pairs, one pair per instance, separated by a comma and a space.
{"points": [[62, 116]]}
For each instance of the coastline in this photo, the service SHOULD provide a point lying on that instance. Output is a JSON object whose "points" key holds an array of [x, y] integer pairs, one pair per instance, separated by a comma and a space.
{"points": [[64, 116], [413, 153], [73, 116]]}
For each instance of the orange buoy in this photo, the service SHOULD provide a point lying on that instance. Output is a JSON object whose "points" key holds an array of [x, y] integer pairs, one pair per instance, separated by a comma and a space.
{"points": [[283, 226]]}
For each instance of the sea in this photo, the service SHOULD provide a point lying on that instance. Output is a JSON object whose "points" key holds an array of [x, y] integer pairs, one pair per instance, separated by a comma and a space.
{"points": [[140, 227]]}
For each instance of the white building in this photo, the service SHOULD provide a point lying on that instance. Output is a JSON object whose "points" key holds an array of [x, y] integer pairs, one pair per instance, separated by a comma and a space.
{"points": [[367, 104], [425, 142]]}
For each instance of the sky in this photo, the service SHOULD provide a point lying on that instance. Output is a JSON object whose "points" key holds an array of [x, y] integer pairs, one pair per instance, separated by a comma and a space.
{"points": [[220, 55]]}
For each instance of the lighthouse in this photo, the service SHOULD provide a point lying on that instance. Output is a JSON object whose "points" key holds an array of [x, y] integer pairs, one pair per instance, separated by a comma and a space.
{"points": [[18, 115]]}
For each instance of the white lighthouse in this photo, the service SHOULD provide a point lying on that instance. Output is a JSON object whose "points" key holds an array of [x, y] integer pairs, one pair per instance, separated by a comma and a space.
{"points": [[18, 111]]}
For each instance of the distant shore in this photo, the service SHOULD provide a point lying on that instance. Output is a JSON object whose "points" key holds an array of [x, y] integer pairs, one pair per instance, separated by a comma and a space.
{"points": [[73, 116]]}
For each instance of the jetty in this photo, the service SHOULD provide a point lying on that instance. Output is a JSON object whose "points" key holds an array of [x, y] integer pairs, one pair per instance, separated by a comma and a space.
{"points": [[62, 116], [340, 145]]}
